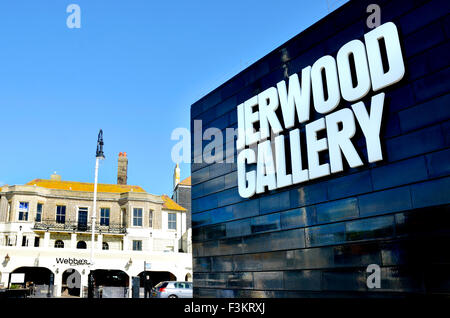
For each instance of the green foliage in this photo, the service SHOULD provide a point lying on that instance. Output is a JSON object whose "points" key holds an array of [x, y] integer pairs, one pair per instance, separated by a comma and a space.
{"points": [[15, 286]]}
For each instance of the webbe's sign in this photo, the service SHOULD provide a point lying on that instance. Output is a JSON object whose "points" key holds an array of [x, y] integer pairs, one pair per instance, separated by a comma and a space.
{"points": [[358, 68], [72, 261]]}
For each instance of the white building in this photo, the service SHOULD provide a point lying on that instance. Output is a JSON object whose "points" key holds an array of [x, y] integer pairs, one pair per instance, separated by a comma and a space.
{"points": [[45, 233]]}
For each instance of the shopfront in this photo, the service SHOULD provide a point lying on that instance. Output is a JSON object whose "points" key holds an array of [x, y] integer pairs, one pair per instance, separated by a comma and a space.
{"points": [[339, 183], [52, 272]]}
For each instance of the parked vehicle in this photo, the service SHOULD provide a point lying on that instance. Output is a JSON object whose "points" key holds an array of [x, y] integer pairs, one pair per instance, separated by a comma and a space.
{"points": [[170, 289]]}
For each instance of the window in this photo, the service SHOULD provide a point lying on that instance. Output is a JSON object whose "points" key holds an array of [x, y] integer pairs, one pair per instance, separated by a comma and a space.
{"points": [[124, 217], [104, 216], [182, 285], [172, 221], [59, 244], [10, 241], [9, 211], [24, 241], [81, 245], [150, 218], [39, 212], [105, 246], [36, 241], [23, 211], [137, 217], [137, 245], [61, 214], [179, 285]]}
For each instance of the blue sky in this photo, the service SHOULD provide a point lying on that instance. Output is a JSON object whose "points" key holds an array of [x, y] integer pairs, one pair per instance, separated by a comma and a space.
{"points": [[133, 69]]}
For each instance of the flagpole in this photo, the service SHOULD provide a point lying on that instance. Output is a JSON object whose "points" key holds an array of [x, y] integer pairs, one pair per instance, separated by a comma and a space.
{"points": [[99, 155], [94, 209]]}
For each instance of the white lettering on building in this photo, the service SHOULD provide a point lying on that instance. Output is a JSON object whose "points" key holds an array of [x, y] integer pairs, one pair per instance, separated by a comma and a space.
{"points": [[324, 84]]}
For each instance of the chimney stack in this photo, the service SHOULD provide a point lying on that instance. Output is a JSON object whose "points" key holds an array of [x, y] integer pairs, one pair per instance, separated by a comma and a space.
{"points": [[122, 167], [55, 177]]}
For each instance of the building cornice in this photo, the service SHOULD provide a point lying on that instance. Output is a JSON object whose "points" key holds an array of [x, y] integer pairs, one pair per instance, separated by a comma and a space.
{"points": [[10, 191]]}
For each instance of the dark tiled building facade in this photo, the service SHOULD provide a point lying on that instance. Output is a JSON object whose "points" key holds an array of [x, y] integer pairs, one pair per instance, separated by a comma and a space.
{"points": [[316, 239]]}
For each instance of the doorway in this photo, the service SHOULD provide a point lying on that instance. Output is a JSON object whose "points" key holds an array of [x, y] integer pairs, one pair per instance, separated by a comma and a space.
{"points": [[39, 279], [109, 283]]}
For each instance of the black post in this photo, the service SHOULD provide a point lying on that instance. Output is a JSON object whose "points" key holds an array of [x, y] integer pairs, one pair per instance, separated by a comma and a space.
{"points": [[91, 286], [136, 284], [50, 285]]}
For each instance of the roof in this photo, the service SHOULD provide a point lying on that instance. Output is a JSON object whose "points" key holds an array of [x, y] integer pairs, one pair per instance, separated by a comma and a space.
{"points": [[85, 186], [170, 204], [186, 182]]}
